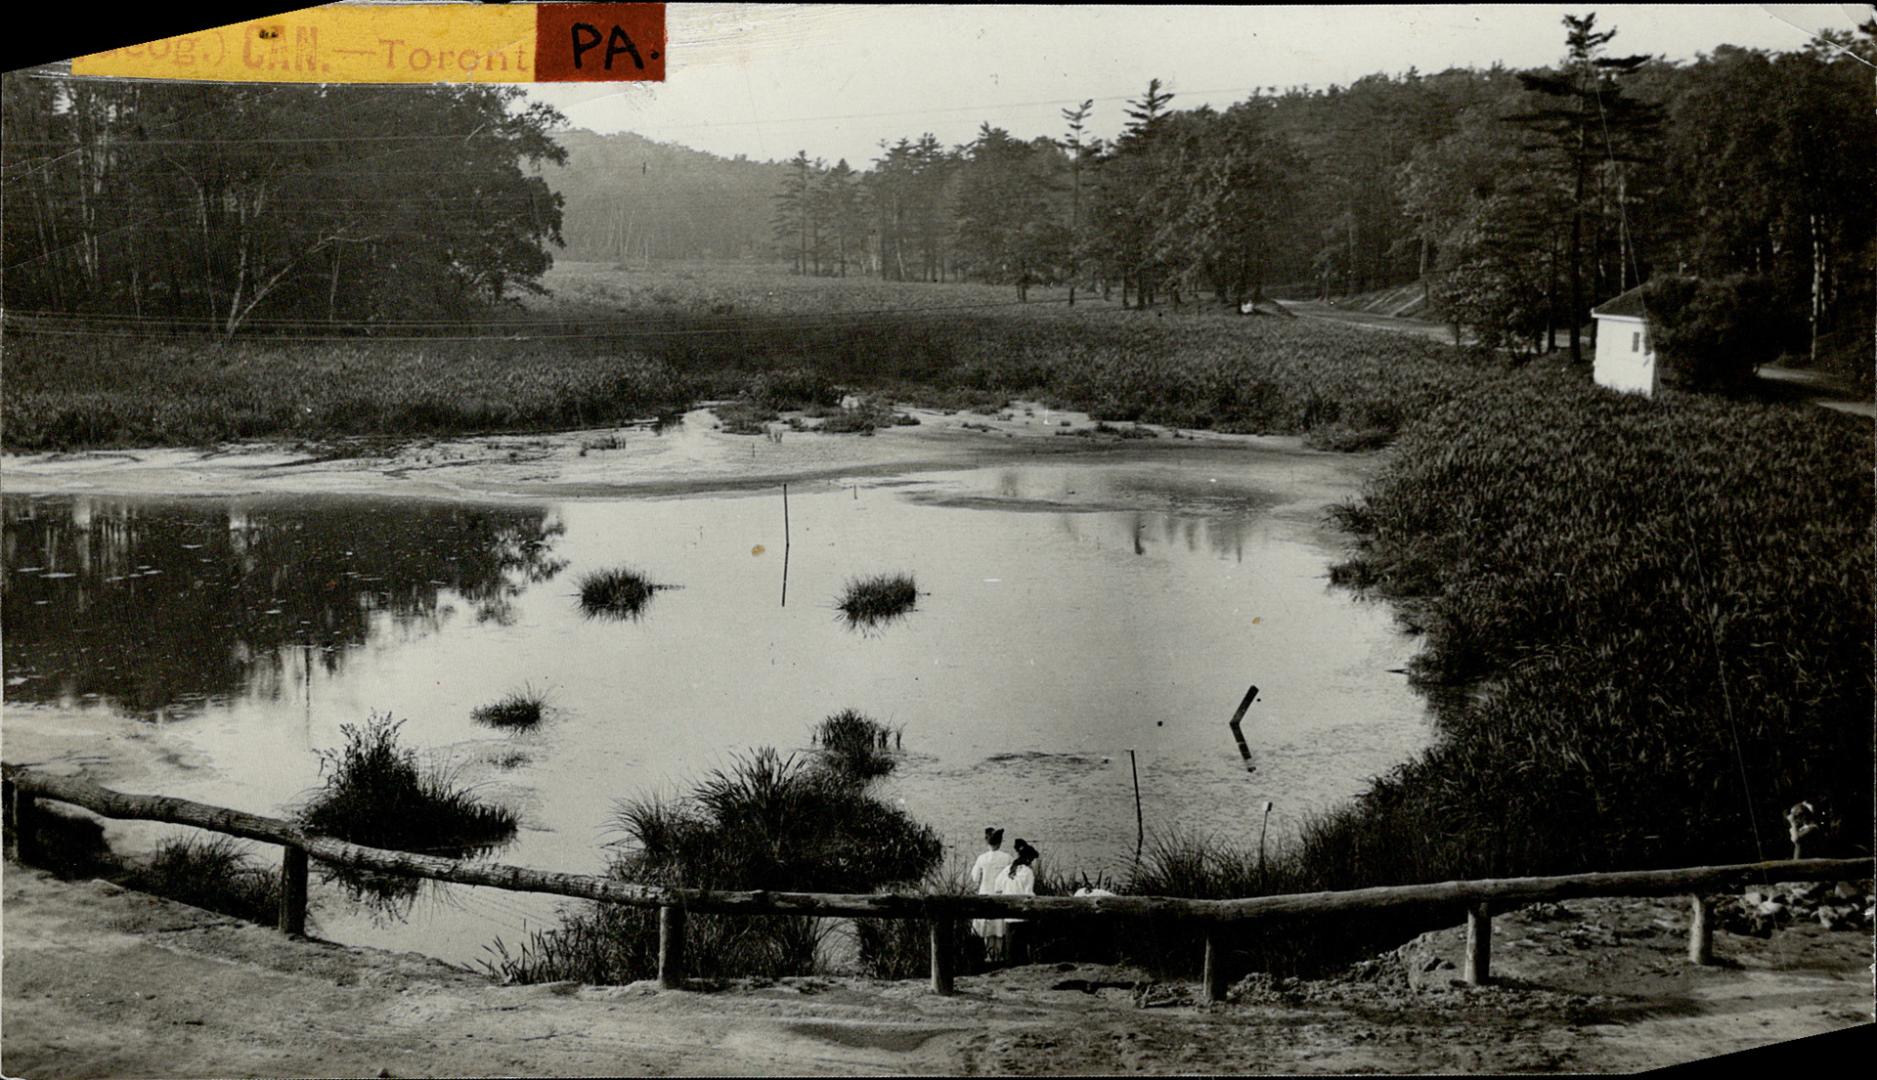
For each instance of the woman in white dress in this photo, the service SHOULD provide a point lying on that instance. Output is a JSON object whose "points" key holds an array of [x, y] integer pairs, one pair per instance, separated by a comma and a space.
{"points": [[1018, 879], [984, 874]]}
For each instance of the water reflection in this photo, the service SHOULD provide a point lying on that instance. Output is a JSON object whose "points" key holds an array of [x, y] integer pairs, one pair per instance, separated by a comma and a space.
{"points": [[160, 607]]}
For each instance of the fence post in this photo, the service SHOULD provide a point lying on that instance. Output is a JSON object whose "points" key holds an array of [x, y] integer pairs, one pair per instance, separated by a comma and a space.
{"points": [[1213, 975], [7, 824], [22, 826], [671, 947], [1701, 933], [293, 891], [944, 953], [1478, 944]]}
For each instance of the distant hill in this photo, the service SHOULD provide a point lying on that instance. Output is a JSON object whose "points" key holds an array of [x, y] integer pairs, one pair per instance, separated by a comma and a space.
{"points": [[630, 197]]}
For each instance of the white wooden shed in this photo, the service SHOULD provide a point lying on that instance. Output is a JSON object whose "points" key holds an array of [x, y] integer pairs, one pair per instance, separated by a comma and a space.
{"points": [[1625, 357]]}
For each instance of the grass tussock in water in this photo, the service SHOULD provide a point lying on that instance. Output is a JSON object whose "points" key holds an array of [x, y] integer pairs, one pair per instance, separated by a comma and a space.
{"points": [[376, 794], [869, 601], [765, 822], [519, 710], [620, 593], [856, 745]]}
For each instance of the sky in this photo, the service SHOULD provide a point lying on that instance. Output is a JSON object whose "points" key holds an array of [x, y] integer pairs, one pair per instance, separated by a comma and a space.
{"points": [[766, 80]]}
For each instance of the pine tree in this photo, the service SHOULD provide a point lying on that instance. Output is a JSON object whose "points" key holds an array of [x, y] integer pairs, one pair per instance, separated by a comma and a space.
{"points": [[1582, 121]]}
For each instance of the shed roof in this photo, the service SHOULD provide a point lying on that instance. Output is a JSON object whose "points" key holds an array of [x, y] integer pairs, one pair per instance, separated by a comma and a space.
{"points": [[1628, 305]]}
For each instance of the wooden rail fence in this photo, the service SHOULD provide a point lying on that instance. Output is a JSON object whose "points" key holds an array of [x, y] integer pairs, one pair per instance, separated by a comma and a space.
{"points": [[1477, 899]]}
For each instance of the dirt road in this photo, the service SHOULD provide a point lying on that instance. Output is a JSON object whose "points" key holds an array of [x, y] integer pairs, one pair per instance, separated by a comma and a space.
{"points": [[99, 982]]}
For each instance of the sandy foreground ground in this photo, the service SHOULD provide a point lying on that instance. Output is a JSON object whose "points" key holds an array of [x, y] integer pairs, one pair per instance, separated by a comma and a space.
{"points": [[97, 982]]}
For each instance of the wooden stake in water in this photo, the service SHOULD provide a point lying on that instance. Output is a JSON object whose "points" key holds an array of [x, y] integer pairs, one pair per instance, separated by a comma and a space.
{"points": [[785, 545], [1237, 733], [1140, 823], [1261, 831]]}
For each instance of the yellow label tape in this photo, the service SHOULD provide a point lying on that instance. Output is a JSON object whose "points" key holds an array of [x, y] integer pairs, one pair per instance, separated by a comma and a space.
{"points": [[427, 43]]}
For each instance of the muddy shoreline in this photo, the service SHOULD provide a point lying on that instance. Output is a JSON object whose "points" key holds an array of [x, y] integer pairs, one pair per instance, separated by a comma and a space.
{"points": [[636, 461]]}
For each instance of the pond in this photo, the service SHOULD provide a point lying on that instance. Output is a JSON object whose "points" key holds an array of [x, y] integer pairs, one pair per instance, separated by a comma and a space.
{"points": [[1067, 614]]}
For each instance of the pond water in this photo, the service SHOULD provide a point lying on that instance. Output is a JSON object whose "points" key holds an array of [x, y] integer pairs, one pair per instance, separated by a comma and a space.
{"points": [[1067, 613]]}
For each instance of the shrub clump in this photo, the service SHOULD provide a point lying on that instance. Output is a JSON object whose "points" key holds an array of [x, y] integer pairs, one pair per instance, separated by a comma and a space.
{"points": [[871, 600], [376, 794], [618, 593], [1711, 334], [766, 822]]}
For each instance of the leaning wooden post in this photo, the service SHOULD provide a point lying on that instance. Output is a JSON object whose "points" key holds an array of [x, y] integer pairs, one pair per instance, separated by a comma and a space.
{"points": [[944, 953], [671, 947], [1701, 932], [293, 891], [1213, 976], [1478, 944]]}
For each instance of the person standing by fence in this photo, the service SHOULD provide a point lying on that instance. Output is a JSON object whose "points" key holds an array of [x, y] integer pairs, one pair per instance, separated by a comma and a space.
{"points": [[984, 874], [1018, 879]]}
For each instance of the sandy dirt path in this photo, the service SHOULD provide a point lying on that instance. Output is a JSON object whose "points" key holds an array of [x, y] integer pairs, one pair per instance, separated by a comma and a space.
{"points": [[99, 982]]}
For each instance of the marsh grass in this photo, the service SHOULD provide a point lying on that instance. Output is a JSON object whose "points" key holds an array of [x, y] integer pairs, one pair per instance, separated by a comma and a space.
{"points": [[870, 601], [518, 710], [1191, 371], [902, 948], [856, 745], [375, 793], [620, 593], [214, 872]]}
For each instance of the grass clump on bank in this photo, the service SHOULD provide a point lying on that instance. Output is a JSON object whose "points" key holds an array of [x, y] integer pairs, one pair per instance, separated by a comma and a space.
{"points": [[869, 601], [619, 593], [376, 794], [765, 822], [518, 710], [215, 873]]}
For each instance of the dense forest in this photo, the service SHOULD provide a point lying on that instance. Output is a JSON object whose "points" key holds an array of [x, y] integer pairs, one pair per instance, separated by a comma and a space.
{"points": [[281, 207], [1517, 199]]}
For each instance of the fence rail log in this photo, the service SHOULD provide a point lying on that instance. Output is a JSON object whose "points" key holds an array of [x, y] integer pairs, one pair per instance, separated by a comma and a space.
{"points": [[1501, 893]]}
